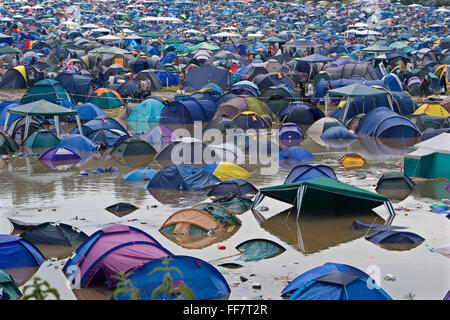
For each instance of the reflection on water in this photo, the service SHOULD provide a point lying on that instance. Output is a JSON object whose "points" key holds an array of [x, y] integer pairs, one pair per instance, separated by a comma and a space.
{"points": [[314, 230], [54, 251], [435, 189], [21, 275]]}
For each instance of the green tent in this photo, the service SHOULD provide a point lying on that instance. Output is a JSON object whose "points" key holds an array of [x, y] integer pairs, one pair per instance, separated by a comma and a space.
{"points": [[236, 205], [149, 34], [324, 193], [133, 146], [277, 98], [8, 285], [7, 144], [377, 48], [42, 108], [258, 249], [220, 213], [9, 50], [46, 89], [41, 139], [204, 46]]}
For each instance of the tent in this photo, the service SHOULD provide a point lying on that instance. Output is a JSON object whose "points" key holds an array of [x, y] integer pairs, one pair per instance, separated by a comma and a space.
{"points": [[333, 281], [293, 156], [198, 78], [237, 187], [278, 98], [87, 112], [42, 108], [41, 139], [105, 98], [227, 170], [396, 240], [51, 233], [434, 110], [188, 111], [236, 205], [100, 123], [194, 151], [382, 122], [430, 158], [47, 89], [59, 154], [7, 144], [183, 177], [143, 174], [147, 111], [300, 114], [17, 78], [395, 185], [223, 125], [4, 106], [204, 280], [322, 125], [106, 137], [236, 105], [132, 146], [305, 172], [290, 131], [324, 193], [351, 91], [264, 81], [78, 86], [77, 142], [109, 251], [258, 249], [8, 286], [251, 120], [159, 135], [121, 209]]}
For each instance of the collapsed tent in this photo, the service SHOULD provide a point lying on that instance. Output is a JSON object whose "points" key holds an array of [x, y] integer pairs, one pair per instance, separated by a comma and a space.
{"points": [[54, 234], [258, 249], [109, 251], [396, 240], [237, 187], [183, 177]]}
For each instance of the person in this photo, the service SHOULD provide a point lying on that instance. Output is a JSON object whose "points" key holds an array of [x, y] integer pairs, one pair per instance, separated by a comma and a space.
{"points": [[301, 86], [443, 82], [328, 87], [148, 87], [310, 91], [424, 86]]}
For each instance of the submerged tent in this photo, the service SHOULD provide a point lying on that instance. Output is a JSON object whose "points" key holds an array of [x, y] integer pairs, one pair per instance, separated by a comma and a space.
{"points": [[147, 111], [305, 172], [54, 234], [205, 281], [237, 187], [396, 240], [183, 177], [258, 249], [227, 170], [109, 251], [121, 209], [87, 112], [326, 194], [430, 159], [235, 205], [8, 286], [384, 123], [16, 252], [77, 142], [333, 281], [41, 139], [133, 146]]}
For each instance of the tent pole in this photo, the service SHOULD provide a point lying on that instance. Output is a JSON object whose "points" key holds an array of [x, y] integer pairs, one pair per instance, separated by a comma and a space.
{"points": [[27, 126], [77, 117], [57, 126], [390, 102], [300, 193], [258, 199], [6, 121]]}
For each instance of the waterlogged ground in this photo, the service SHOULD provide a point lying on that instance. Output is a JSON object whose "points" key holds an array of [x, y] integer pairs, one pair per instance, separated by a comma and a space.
{"points": [[31, 192]]}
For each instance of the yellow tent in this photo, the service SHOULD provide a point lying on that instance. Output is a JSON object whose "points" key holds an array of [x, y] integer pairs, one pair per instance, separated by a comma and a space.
{"points": [[434, 110], [227, 170]]}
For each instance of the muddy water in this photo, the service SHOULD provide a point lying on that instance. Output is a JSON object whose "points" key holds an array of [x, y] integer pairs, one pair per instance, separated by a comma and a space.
{"points": [[31, 192]]}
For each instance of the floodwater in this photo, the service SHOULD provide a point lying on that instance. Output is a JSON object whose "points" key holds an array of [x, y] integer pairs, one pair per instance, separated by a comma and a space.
{"points": [[32, 192]]}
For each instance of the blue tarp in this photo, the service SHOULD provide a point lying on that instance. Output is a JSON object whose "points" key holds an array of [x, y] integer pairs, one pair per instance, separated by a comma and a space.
{"points": [[183, 177]]}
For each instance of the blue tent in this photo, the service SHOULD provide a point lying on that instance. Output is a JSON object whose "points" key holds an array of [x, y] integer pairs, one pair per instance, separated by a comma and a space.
{"points": [[183, 177], [295, 154], [300, 113], [205, 281], [188, 111], [167, 78], [4, 107], [390, 236], [87, 112], [16, 252], [168, 58], [264, 81], [100, 123], [106, 137], [384, 123], [147, 111], [140, 174], [77, 142], [245, 87], [77, 86], [333, 281], [199, 77], [305, 172], [392, 82], [337, 133]]}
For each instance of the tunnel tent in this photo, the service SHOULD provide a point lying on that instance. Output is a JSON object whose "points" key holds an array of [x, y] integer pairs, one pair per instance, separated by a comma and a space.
{"points": [[42, 108], [355, 90]]}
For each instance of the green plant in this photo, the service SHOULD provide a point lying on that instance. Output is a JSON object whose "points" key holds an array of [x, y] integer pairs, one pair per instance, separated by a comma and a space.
{"points": [[180, 292], [40, 290], [126, 286], [410, 296]]}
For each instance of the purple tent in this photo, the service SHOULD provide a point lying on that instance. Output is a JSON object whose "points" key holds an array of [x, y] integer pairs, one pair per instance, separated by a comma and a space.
{"points": [[447, 296], [290, 131], [111, 250], [59, 154], [159, 135]]}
